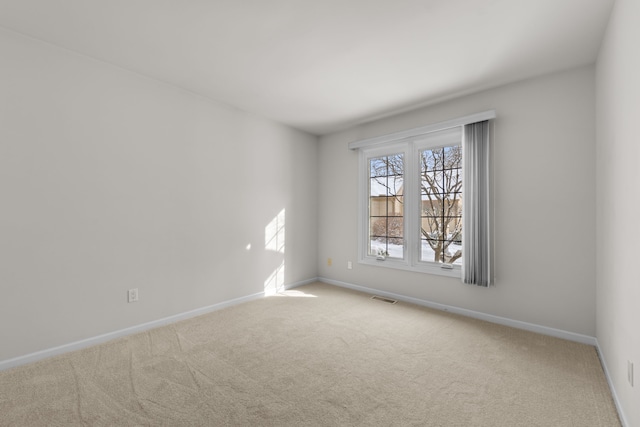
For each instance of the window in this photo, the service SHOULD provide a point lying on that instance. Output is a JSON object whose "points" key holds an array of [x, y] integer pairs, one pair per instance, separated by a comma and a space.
{"points": [[424, 199], [413, 205]]}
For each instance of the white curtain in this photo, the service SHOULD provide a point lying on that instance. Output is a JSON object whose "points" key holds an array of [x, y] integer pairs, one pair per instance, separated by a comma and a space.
{"points": [[476, 265]]}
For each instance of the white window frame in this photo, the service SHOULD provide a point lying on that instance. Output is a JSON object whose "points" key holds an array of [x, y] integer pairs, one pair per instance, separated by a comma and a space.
{"points": [[363, 208], [410, 143], [410, 148]]}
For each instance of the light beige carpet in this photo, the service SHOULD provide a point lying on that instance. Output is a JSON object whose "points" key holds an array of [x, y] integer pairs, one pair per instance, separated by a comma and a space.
{"points": [[319, 356]]}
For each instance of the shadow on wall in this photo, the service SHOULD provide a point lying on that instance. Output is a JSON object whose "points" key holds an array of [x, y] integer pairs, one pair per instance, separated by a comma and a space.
{"points": [[274, 240]]}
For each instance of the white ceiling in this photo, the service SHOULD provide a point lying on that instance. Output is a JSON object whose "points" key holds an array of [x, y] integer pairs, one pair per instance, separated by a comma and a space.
{"points": [[322, 65]]}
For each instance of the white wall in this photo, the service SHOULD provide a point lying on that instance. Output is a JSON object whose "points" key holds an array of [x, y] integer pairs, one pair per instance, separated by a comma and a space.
{"points": [[618, 213], [544, 188], [110, 181]]}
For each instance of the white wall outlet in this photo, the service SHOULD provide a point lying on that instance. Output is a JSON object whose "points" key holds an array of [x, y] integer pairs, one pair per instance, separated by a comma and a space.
{"points": [[349, 265], [132, 295], [630, 372]]}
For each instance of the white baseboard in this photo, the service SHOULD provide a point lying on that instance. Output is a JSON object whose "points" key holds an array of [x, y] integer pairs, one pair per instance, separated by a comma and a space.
{"points": [[77, 345], [603, 362], [544, 330]]}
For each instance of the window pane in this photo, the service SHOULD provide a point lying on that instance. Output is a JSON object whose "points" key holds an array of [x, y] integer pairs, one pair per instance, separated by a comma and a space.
{"points": [[378, 228], [427, 253], [378, 187], [377, 248], [377, 206], [395, 184], [386, 186], [453, 253], [429, 183], [431, 206], [378, 167], [431, 160], [431, 228], [452, 157], [441, 209], [395, 164], [452, 228], [386, 206], [395, 228], [394, 206], [452, 206]]}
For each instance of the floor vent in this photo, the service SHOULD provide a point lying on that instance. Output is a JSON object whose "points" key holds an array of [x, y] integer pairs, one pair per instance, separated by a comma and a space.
{"points": [[379, 298]]}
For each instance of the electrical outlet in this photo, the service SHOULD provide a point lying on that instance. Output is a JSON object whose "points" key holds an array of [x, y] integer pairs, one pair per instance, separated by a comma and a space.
{"points": [[349, 265], [630, 372], [132, 295], [329, 262]]}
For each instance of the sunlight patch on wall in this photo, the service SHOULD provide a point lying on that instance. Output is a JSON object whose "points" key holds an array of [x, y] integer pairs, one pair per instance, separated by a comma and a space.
{"points": [[274, 239], [274, 233], [275, 282]]}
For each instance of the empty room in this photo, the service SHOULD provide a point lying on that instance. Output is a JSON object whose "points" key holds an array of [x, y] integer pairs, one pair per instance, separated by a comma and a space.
{"points": [[319, 213]]}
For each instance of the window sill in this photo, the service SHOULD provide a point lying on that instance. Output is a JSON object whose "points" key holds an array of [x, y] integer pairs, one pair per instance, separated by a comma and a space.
{"points": [[423, 267]]}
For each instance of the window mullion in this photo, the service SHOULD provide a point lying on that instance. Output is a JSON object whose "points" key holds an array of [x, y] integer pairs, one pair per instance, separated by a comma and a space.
{"points": [[416, 199], [412, 217]]}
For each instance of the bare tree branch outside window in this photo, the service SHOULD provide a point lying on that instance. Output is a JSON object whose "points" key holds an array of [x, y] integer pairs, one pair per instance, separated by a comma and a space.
{"points": [[441, 202], [441, 195]]}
